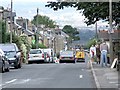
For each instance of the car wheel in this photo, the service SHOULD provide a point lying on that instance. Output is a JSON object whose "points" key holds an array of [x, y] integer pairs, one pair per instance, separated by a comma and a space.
{"points": [[7, 70], [3, 68], [60, 61], [20, 65], [16, 66], [29, 62], [74, 62]]}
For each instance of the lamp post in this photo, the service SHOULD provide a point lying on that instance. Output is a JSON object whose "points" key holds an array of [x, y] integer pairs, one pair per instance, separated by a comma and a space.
{"points": [[96, 30], [11, 22], [110, 31], [37, 29]]}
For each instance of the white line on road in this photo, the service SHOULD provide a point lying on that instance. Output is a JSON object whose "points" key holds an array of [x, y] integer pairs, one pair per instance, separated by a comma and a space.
{"points": [[82, 69], [0, 85], [10, 81], [81, 76], [22, 81], [113, 82]]}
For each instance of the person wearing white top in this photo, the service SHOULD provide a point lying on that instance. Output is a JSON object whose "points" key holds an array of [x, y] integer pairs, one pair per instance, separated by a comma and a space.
{"points": [[92, 51]]}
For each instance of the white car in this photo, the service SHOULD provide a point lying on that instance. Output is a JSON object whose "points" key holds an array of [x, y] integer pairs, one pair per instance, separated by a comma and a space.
{"points": [[49, 53], [35, 55]]}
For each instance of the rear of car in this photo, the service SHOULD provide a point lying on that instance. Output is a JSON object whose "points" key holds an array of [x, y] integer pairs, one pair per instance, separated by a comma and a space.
{"points": [[80, 56], [49, 54], [35, 55], [13, 54], [67, 56]]}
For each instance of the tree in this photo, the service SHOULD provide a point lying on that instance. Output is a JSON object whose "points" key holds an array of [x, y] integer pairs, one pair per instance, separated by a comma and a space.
{"points": [[44, 20], [72, 32], [91, 42], [3, 32], [93, 11]]}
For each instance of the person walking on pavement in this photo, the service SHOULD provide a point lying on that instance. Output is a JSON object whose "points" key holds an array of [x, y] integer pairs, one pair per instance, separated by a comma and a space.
{"points": [[92, 52], [104, 51], [98, 53]]}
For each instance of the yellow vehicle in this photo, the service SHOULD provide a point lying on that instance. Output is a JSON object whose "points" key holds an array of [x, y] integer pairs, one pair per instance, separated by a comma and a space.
{"points": [[80, 55]]}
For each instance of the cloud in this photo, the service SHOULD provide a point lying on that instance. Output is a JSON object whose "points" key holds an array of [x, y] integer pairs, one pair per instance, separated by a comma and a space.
{"points": [[32, 0], [68, 16]]}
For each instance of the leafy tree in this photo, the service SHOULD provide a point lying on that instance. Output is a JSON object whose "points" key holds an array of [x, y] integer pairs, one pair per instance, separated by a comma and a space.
{"points": [[72, 32], [44, 20], [39, 46], [3, 34], [91, 42], [93, 11]]}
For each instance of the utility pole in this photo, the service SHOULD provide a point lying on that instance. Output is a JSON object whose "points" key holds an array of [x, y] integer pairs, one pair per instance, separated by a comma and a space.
{"points": [[11, 22], [96, 30], [110, 31], [37, 29]]}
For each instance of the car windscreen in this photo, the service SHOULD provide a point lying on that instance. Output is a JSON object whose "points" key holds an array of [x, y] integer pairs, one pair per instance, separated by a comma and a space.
{"points": [[7, 47], [35, 51], [66, 53], [10, 54]]}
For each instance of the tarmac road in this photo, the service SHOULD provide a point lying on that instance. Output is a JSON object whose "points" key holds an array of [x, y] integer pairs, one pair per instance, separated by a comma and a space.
{"points": [[65, 75]]}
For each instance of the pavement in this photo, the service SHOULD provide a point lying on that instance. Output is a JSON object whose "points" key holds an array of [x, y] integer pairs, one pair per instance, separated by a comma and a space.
{"points": [[105, 77]]}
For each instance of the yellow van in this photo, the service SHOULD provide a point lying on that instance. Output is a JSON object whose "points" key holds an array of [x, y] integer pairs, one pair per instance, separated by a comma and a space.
{"points": [[80, 56]]}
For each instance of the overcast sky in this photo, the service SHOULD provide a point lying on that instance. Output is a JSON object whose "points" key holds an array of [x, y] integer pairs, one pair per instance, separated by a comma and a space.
{"points": [[67, 16]]}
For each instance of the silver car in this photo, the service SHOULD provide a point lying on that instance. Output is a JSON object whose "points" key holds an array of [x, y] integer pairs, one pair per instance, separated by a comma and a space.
{"points": [[35, 55], [67, 56], [4, 64]]}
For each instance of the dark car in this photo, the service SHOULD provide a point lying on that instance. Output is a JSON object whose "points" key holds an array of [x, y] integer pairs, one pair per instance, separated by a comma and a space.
{"points": [[4, 64], [13, 54]]}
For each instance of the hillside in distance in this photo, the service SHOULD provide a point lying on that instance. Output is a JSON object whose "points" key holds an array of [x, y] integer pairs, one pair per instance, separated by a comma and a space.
{"points": [[85, 36]]}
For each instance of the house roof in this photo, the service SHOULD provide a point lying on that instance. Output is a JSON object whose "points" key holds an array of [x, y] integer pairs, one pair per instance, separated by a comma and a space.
{"points": [[104, 34], [64, 34], [28, 32]]}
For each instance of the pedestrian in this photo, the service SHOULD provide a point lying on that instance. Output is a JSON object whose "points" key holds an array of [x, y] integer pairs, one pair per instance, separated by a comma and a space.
{"points": [[98, 53], [92, 52], [104, 51]]}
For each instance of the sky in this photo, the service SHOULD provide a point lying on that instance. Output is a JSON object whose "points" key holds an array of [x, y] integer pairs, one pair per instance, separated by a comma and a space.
{"points": [[67, 16]]}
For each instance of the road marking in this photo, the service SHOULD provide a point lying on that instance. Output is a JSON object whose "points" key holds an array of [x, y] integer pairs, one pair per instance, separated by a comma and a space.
{"points": [[27, 80], [113, 82], [22, 81], [81, 76], [10, 81], [82, 69]]}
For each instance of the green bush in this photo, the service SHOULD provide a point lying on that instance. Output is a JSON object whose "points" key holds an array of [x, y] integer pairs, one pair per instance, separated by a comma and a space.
{"points": [[91, 42], [39, 46]]}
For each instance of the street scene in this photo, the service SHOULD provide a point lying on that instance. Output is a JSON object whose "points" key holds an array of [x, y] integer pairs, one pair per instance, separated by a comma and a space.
{"points": [[59, 44]]}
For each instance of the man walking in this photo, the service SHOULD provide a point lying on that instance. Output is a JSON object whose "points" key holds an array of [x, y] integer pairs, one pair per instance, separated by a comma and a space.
{"points": [[104, 51]]}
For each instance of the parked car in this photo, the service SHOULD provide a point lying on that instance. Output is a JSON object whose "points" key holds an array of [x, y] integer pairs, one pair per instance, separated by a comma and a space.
{"points": [[35, 55], [4, 64], [67, 56], [80, 55], [13, 54], [49, 53]]}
